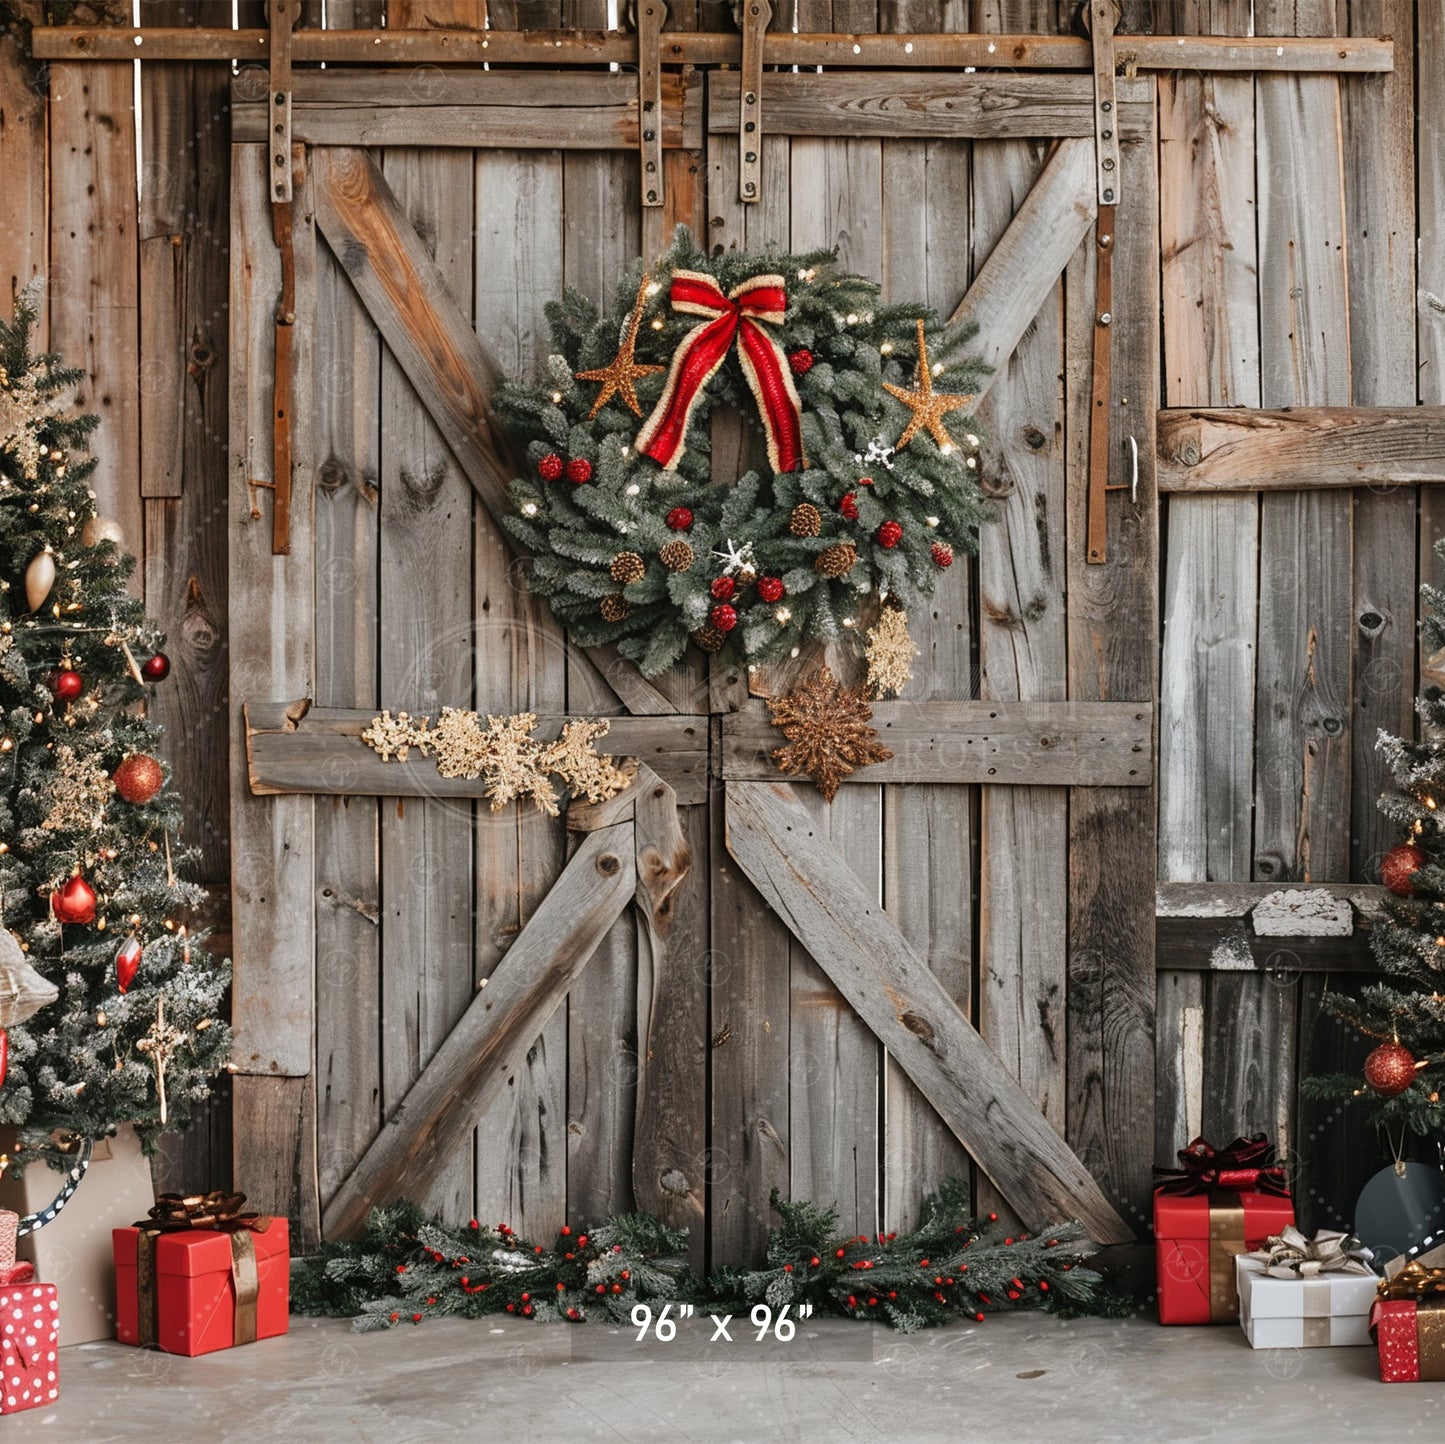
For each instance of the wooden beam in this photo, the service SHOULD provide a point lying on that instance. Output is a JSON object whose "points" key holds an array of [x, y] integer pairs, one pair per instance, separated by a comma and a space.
{"points": [[1239, 899], [1300, 448], [1229, 945], [433, 341], [296, 748], [1024, 266], [774, 840], [473, 109], [992, 106], [1336, 54], [476, 1064], [1095, 744]]}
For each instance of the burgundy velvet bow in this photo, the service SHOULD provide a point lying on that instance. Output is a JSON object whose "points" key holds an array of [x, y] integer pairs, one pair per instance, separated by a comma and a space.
{"points": [[1247, 1163]]}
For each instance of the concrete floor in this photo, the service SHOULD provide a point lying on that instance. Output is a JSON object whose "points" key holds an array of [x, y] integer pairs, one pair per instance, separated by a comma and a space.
{"points": [[1012, 1378]]}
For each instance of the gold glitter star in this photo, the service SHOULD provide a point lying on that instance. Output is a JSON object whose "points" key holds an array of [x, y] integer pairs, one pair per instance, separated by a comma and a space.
{"points": [[617, 379], [928, 406]]}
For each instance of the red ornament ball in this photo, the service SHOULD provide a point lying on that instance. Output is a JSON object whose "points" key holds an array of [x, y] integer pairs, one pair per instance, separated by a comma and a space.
{"points": [[579, 470], [865, 481], [1399, 867], [679, 518], [724, 618], [801, 361], [157, 668], [138, 778], [942, 554], [722, 588], [1390, 1069], [73, 901], [550, 467], [66, 685], [889, 535], [127, 962], [770, 589], [848, 505]]}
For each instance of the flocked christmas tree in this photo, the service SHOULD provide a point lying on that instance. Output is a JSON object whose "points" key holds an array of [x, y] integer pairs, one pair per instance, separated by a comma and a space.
{"points": [[1404, 1075], [110, 1009]]}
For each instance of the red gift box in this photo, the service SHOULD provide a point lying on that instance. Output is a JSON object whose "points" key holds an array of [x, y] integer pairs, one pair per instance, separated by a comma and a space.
{"points": [[1410, 1334], [29, 1346], [1215, 1207], [197, 1290]]}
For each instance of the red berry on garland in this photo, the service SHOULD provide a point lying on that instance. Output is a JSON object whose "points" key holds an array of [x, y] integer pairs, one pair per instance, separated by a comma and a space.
{"points": [[889, 535], [65, 685], [579, 470], [770, 589], [801, 361], [138, 778], [1398, 869], [724, 618], [865, 481], [127, 962], [722, 588], [550, 467], [942, 554], [679, 518], [73, 901], [156, 668], [1390, 1069], [848, 505]]}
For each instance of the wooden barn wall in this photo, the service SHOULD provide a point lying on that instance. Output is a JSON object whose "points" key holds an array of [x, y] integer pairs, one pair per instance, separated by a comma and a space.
{"points": [[1302, 260]]}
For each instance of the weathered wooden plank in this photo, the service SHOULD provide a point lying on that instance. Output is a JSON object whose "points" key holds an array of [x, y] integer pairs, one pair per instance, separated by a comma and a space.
{"points": [[93, 278], [1085, 744], [552, 47], [274, 1121], [480, 1058], [25, 236], [669, 1149], [472, 109], [1024, 265], [1113, 642], [1238, 899], [1430, 258], [1249, 1056], [1179, 1060], [271, 612], [433, 343], [1230, 945], [1302, 448], [936, 107], [772, 837]]}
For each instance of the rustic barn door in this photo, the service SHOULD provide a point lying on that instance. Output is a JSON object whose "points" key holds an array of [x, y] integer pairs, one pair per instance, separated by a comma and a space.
{"points": [[832, 1001]]}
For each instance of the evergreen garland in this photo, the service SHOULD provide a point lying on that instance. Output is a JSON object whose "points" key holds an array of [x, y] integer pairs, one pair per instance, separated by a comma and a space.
{"points": [[843, 344], [408, 1267]]}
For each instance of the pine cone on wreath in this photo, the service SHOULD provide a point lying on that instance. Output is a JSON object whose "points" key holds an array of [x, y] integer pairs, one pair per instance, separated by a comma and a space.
{"points": [[628, 567], [614, 608], [805, 520], [836, 561], [676, 556], [709, 639]]}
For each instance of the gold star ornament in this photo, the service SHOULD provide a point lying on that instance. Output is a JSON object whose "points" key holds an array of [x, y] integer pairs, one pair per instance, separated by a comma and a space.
{"points": [[619, 378], [928, 406]]}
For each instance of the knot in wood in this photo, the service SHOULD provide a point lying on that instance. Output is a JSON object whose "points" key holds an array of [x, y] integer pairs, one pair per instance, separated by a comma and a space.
{"points": [[608, 864], [921, 1028], [1189, 453]]}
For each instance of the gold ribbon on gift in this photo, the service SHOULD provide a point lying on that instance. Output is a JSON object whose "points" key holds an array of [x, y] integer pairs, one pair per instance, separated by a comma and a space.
{"points": [[1226, 1241], [216, 1211], [1413, 1281], [1290, 1255], [1316, 1313]]}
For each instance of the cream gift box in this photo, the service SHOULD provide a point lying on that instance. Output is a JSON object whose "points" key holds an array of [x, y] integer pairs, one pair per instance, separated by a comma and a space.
{"points": [[1298, 1293]]}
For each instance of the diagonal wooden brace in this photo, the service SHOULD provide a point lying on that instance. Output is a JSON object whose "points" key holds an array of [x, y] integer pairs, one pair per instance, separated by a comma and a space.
{"points": [[651, 16], [755, 18]]}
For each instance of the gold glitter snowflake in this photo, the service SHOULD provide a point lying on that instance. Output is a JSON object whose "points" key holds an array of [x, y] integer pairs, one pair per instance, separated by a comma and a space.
{"points": [[826, 725], [396, 736], [576, 761], [78, 794], [23, 409], [890, 653]]}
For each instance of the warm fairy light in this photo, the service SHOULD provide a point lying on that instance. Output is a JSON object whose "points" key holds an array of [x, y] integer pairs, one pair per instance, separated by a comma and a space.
{"points": [[657, 323], [135, 920], [556, 398], [100, 1020], [849, 622], [633, 489], [794, 652], [1430, 803], [886, 349], [971, 439], [784, 616], [938, 368], [6, 743], [39, 718], [4, 848], [529, 508], [852, 318], [653, 287], [931, 520], [971, 462], [100, 925]]}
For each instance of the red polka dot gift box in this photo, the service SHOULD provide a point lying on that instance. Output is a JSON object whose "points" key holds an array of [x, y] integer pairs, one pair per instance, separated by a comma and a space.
{"points": [[29, 1346], [1408, 1320], [201, 1275]]}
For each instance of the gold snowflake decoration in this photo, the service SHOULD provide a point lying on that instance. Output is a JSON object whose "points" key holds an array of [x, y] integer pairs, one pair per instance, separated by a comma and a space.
{"points": [[826, 725], [587, 774], [23, 410], [78, 794], [890, 653], [396, 736]]}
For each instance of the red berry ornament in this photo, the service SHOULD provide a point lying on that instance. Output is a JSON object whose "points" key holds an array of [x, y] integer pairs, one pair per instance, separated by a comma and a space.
{"points": [[1398, 869], [73, 901], [722, 588], [138, 778], [1390, 1069], [127, 962], [889, 535], [66, 685], [679, 518], [801, 361], [550, 467], [849, 505], [770, 589], [724, 618], [942, 554], [157, 668], [579, 470]]}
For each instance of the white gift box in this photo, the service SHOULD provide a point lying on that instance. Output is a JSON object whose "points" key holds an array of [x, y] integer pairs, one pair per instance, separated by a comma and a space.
{"points": [[1332, 1308]]}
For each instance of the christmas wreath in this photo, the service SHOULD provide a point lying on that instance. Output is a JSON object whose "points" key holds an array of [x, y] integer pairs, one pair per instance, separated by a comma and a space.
{"points": [[866, 494]]}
